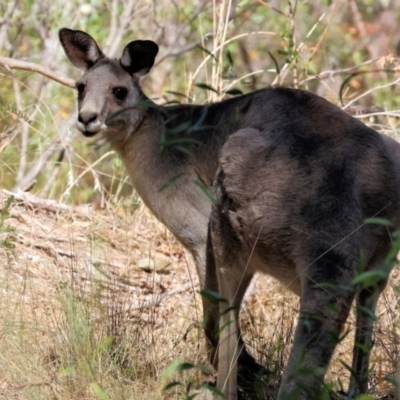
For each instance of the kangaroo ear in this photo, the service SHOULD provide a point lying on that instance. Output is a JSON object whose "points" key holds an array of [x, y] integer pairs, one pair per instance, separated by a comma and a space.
{"points": [[80, 48], [138, 57]]}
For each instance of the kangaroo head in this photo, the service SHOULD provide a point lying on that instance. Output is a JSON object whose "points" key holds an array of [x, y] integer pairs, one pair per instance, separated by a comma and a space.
{"points": [[109, 89]]}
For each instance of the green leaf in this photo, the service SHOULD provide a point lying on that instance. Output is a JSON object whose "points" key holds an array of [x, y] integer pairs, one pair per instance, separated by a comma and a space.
{"points": [[277, 69], [206, 191], [393, 380], [212, 297], [198, 126], [234, 92], [172, 103], [229, 57], [369, 278], [205, 369], [212, 389], [184, 367], [108, 341], [178, 94], [171, 385], [99, 392], [183, 150], [228, 309], [361, 263], [332, 285], [377, 221], [367, 311], [5, 212], [245, 107], [207, 87], [207, 52], [221, 328], [365, 349], [181, 140], [184, 126], [67, 371], [174, 367], [170, 182]]}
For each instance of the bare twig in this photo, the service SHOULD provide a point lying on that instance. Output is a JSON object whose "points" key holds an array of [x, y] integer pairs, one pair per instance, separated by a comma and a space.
{"points": [[153, 303], [48, 204], [292, 12], [366, 93], [360, 25], [125, 19], [10, 63], [30, 384], [280, 78], [272, 8], [5, 22], [327, 25], [56, 145], [332, 73], [217, 48], [392, 114], [85, 171], [181, 50]]}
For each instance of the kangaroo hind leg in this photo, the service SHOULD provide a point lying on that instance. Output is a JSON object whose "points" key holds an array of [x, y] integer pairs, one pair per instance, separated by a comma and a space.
{"points": [[366, 301], [327, 295]]}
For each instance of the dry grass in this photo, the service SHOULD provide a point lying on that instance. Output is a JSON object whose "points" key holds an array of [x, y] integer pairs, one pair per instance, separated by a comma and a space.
{"points": [[81, 319], [78, 311]]}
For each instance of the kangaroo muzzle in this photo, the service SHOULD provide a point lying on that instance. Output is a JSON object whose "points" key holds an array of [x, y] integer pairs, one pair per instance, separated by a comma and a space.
{"points": [[89, 123]]}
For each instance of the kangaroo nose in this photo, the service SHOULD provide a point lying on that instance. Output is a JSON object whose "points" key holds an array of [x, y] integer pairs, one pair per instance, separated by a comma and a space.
{"points": [[86, 117]]}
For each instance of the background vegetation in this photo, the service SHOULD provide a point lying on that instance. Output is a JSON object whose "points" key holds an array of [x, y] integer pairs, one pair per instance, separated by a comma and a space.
{"points": [[345, 50]]}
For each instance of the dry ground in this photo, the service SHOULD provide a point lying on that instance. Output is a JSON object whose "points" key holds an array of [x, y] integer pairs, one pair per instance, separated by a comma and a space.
{"points": [[98, 304]]}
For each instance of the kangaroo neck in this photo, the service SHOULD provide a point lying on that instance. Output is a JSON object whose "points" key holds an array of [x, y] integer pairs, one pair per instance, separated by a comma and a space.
{"points": [[166, 182]]}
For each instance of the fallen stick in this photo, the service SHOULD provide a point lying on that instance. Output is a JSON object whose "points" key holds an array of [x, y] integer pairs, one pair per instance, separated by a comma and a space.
{"points": [[48, 204]]}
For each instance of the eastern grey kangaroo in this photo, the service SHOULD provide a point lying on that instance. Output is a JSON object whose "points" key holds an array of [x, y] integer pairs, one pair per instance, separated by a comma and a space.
{"points": [[294, 179]]}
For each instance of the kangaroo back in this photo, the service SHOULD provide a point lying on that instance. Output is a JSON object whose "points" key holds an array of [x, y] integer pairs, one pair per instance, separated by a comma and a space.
{"points": [[292, 201]]}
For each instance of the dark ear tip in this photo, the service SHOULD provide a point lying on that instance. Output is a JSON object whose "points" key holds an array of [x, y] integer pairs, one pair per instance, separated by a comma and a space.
{"points": [[155, 47], [63, 32], [144, 46]]}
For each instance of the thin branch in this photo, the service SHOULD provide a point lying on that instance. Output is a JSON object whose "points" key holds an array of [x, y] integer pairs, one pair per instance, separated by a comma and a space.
{"points": [[281, 77], [393, 114], [129, 14], [396, 82], [10, 63], [30, 384], [217, 48], [335, 72], [200, 8], [360, 26], [152, 303], [181, 50], [272, 8], [29, 199], [85, 171], [24, 132], [5, 23], [58, 143]]}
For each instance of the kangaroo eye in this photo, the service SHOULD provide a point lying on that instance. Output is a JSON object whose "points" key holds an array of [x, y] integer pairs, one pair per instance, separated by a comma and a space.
{"points": [[120, 93], [80, 88]]}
